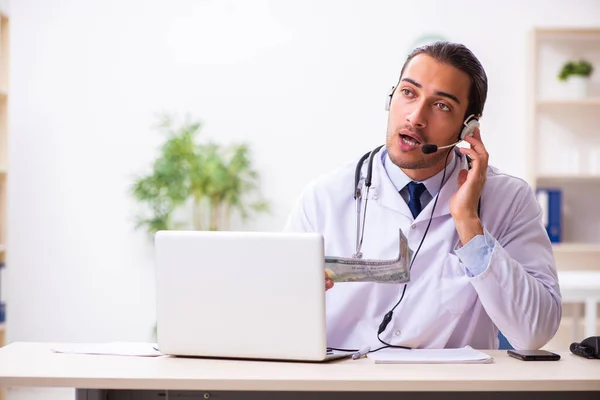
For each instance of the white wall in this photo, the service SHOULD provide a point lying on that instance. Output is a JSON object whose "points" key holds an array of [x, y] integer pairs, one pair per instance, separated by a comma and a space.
{"points": [[5, 7], [304, 82]]}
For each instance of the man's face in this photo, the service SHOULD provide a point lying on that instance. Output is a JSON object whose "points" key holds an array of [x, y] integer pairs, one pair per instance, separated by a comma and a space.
{"points": [[428, 106]]}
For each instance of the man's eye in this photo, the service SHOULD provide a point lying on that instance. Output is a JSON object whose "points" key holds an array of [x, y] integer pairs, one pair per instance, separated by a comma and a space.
{"points": [[406, 92], [443, 107]]}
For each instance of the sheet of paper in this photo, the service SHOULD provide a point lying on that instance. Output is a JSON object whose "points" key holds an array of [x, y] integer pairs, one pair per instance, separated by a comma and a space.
{"points": [[465, 355], [112, 348]]}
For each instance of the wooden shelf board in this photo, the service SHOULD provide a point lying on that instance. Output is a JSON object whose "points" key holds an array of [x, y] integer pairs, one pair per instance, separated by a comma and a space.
{"points": [[2, 248], [576, 247], [567, 30], [561, 178], [3, 170], [2, 326], [590, 101]]}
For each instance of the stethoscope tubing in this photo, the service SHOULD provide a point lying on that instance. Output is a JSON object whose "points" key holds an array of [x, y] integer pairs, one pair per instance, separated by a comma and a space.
{"points": [[360, 228]]}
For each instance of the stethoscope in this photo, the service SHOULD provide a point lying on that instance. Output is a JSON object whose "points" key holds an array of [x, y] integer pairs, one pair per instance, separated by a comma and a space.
{"points": [[360, 228]]}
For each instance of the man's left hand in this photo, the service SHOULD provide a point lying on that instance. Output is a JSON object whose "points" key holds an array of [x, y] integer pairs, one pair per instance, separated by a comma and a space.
{"points": [[464, 203]]}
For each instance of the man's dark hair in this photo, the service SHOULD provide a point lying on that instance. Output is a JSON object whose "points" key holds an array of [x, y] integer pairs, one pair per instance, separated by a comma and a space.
{"points": [[462, 58]]}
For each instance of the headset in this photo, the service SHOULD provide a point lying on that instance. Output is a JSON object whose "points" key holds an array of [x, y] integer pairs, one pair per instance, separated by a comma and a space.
{"points": [[469, 125]]}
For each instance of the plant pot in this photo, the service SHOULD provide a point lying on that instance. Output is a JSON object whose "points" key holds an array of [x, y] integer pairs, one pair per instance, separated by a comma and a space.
{"points": [[576, 87]]}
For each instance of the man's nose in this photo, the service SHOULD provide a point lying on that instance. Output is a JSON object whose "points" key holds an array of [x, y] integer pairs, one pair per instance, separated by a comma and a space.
{"points": [[418, 116]]}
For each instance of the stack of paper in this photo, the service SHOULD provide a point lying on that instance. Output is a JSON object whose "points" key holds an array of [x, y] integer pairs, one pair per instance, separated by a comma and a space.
{"points": [[112, 348], [465, 355]]}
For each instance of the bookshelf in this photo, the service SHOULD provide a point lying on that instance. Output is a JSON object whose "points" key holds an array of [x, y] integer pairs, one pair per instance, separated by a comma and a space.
{"points": [[565, 139], [565, 150]]}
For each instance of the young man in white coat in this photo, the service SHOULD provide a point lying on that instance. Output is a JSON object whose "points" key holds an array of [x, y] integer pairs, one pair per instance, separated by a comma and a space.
{"points": [[478, 270]]}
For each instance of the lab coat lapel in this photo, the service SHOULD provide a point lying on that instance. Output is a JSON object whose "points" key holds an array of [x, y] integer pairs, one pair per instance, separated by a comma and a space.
{"points": [[386, 193]]}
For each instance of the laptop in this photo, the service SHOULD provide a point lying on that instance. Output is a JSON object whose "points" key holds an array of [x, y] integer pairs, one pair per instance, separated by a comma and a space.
{"points": [[248, 295]]}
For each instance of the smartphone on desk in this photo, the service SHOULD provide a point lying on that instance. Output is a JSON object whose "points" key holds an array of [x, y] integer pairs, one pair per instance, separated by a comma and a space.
{"points": [[534, 355]]}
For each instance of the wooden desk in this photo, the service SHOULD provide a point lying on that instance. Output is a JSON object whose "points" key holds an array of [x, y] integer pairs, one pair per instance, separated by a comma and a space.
{"points": [[115, 377]]}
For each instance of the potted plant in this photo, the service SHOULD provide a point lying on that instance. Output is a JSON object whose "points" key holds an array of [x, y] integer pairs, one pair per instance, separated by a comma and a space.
{"points": [[576, 76], [205, 183]]}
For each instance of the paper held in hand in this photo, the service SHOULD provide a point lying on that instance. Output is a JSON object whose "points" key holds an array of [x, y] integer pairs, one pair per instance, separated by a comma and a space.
{"points": [[340, 269]]}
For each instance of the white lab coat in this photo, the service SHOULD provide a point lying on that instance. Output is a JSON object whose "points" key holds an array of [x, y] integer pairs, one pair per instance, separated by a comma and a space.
{"points": [[518, 293]]}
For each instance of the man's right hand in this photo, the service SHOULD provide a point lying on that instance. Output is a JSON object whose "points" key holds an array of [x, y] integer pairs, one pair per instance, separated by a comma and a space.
{"points": [[328, 283]]}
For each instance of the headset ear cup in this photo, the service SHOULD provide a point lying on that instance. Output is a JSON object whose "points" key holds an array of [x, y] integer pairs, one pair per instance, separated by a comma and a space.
{"points": [[469, 129]]}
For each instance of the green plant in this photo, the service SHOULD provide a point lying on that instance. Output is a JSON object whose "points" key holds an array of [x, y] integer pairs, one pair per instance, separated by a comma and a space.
{"points": [[575, 68], [216, 180]]}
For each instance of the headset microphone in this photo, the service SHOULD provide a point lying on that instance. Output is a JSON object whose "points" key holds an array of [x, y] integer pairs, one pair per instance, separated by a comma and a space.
{"points": [[470, 124], [432, 148]]}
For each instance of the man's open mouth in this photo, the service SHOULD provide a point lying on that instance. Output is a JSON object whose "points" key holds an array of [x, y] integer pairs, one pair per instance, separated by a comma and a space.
{"points": [[409, 140]]}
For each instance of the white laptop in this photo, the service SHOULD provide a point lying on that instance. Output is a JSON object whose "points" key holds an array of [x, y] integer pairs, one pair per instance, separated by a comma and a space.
{"points": [[256, 295]]}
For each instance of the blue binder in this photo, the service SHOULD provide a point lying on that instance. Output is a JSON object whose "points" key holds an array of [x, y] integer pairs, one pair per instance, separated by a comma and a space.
{"points": [[551, 202]]}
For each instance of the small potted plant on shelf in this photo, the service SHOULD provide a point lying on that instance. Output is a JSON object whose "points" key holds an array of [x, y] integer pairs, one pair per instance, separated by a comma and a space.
{"points": [[576, 75]]}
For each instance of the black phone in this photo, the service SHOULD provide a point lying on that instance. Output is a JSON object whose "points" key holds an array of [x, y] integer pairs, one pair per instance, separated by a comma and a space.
{"points": [[534, 355]]}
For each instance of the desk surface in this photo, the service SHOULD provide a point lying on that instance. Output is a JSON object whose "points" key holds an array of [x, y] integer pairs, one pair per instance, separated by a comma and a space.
{"points": [[34, 364]]}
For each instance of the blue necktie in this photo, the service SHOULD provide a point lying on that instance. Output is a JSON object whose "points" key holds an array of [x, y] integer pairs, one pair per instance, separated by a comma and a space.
{"points": [[415, 190]]}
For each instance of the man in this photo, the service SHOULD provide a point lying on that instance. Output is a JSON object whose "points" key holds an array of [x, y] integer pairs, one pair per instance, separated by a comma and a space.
{"points": [[477, 271]]}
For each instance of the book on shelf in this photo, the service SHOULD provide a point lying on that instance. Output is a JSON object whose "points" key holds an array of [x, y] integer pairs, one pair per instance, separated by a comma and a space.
{"points": [[550, 200]]}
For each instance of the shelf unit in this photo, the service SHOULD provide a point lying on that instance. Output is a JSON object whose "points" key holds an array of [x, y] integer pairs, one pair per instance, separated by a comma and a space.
{"points": [[565, 140]]}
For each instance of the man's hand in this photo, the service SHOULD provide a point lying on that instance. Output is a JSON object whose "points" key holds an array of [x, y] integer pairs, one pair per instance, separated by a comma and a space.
{"points": [[463, 204], [328, 282]]}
